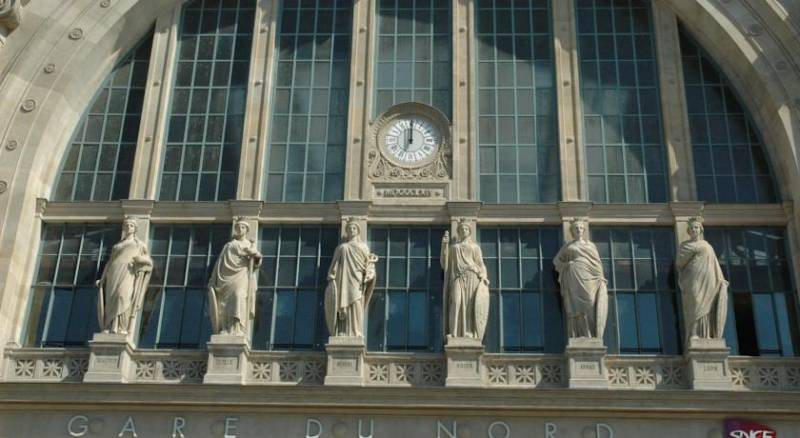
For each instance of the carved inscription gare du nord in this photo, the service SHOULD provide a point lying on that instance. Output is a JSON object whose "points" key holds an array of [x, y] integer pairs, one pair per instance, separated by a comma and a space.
{"points": [[230, 427]]}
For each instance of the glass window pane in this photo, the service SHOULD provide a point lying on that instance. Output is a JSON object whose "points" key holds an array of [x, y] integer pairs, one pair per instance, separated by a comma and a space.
{"points": [[714, 109]]}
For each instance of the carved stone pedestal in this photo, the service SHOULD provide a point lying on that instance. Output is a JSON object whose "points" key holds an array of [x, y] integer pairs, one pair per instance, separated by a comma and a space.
{"points": [[708, 364], [109, 358], [345, 361], [463, 362], [227, 359], [586, 359]]}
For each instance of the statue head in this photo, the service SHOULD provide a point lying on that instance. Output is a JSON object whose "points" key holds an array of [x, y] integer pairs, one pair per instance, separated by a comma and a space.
{"points": [[351, 228], [463, 230], [129, 227], [578, 228], [695, 228], [240, 228]]}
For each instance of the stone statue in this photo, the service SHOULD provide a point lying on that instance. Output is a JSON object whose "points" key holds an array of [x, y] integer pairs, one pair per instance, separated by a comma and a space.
{"points": [[466, 285], [123, 282], [232, 287], [351, 280], [704, 290], [583, 285]]}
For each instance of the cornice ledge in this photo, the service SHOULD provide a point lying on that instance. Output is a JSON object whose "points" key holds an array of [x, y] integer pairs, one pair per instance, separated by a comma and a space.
{"points": [[683, 210], [745, 214], [245, 208], [400, 401], [79, 211], [354, 208], [138, 207], [573, 209], [300, 213], [184, 212], [632, 213], [466, 209]]}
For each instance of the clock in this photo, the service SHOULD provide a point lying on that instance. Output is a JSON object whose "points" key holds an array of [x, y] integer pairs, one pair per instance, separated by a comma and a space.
{"points": [[411, 140]]}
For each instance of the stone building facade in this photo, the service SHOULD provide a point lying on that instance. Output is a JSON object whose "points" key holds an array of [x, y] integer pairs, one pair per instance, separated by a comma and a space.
{"points": [[407, 118]]}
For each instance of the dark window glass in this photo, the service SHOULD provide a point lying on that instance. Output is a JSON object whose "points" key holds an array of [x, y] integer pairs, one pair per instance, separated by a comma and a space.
{"points": [[206, 119], [518, 154], [730, 163], [99, 159], [762, 310], [310, 103], [405, 313], [625, 156], [414, 59], [63, 307], [175, 312], [643, 301], [525, 311], [291, 286]]}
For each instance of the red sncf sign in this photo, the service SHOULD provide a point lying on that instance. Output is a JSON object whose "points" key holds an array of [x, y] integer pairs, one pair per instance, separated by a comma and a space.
{"points": [[747, 429]]}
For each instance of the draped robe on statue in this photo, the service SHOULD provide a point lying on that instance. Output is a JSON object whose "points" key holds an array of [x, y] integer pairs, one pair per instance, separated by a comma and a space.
{"points": [[231, 290], [704, 290], [583, 288], [124, 279], [346, 295], [467, 296]]}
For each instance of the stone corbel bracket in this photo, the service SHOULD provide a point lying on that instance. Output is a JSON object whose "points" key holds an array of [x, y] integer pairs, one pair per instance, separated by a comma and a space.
{"points": [[10, 14]]}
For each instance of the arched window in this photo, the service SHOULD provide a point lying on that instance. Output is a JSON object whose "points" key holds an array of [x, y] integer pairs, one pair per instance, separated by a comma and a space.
{"points": [[730, 165], [99, 161]]}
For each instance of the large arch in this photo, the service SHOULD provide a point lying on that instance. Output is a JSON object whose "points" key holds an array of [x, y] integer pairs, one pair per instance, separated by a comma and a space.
{"points": [[56, 59]]}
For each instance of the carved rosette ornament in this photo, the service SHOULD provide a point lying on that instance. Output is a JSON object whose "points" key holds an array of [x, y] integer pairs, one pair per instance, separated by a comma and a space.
{"points": [[410, 142]]}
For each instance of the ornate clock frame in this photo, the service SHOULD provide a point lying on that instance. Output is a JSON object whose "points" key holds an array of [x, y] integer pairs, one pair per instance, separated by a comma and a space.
{"points": [[390, 180]]}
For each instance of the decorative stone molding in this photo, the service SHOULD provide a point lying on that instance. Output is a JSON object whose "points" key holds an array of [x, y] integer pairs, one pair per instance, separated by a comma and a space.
{"points": [[3, 187], [387, 369], [76, 34], [646, 372], [522, 370], [28, 105], [11, 145], [764, 374], [168, 366], [46, 365], [10, 14], [269, 368]]}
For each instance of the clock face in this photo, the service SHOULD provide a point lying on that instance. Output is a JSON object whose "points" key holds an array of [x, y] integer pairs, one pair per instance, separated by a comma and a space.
{"points": [[411, 140]]}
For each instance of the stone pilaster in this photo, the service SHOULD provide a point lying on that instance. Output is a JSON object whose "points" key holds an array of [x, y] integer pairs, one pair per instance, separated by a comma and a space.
{"points": [[586, 362], [152, 130], [359, 111], [463, 361], [570, 112], [463, 137], [255, 137], [227, 359], [708, 364], [673, 104], [109, 358], [345, 361]]}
